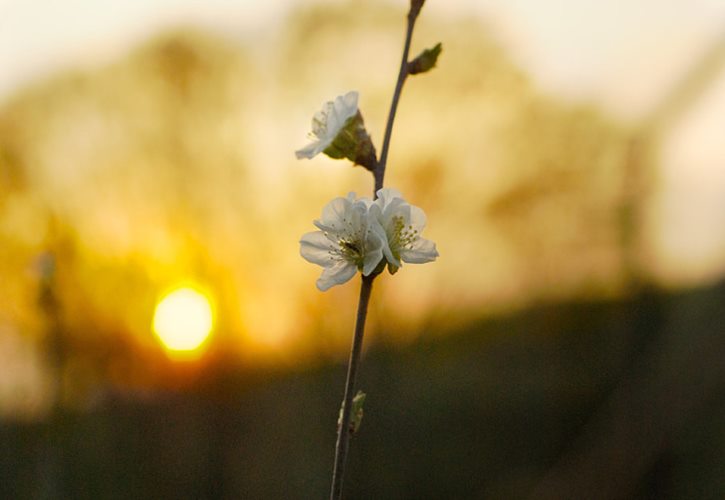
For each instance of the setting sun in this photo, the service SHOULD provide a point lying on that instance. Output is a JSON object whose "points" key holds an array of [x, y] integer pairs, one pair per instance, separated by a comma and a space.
{"points": [[183, 320]]}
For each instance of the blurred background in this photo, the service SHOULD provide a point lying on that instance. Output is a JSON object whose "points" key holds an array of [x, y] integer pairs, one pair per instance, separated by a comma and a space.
{"points": [[160, 336]]}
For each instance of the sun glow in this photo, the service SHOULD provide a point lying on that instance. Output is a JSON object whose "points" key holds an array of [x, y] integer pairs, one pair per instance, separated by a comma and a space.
{"points": [[183, 321]]}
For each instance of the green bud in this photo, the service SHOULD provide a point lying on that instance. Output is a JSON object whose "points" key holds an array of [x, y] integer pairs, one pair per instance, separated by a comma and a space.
{"points": [[425, 61], [356, 413], [354, 143]]}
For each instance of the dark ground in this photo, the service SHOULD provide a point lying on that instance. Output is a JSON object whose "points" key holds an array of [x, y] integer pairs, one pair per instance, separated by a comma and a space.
{"points": [[607, 400]]}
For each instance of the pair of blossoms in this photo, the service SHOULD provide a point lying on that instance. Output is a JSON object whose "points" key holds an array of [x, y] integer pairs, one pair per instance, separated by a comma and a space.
{"points": [[359, 234]]}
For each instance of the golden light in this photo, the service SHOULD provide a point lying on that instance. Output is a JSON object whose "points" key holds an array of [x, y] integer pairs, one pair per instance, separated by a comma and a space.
{"points": [[183, 321]]}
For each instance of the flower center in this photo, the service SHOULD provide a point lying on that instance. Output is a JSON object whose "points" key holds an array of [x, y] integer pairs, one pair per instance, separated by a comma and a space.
{"points": [[350, 248], [350, 244], [403, 236]]}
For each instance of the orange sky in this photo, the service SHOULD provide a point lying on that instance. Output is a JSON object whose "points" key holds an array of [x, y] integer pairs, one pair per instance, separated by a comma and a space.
{"points": [[623, 56]]}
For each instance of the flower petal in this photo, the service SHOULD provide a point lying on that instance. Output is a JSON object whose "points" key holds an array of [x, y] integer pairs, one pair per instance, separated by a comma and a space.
{"points": [[315, 247], [309, 151], [422, 251], [374, 244], [350, 100], [417, 218], [345, 107], [386, 195], [337, 274], [334, 212]]}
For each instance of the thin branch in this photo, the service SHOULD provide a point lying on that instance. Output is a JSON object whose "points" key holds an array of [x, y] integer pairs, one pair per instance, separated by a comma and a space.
{"points": [[343, 432], [402, 75]]}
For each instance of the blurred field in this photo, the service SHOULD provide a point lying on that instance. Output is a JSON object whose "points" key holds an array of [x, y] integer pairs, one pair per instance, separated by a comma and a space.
{"points": [[616, 399], [553, 348]]}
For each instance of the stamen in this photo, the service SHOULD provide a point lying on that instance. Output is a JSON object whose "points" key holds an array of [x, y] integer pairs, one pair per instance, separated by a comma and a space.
{"points": [[403, 235]]}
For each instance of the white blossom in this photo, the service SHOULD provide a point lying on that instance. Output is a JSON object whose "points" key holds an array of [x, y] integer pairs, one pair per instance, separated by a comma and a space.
{"points": [[328, 123], [350, 239], [403, 224]]}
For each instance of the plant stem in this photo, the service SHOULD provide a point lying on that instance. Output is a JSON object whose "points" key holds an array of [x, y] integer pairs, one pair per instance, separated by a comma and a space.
{"points": [[402, 75], [343, 432]]}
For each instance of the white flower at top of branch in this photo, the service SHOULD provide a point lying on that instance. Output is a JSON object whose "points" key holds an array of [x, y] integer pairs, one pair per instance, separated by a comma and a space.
{"points": [[350, 239], [328, 122], [338, 130], [403, 224]]}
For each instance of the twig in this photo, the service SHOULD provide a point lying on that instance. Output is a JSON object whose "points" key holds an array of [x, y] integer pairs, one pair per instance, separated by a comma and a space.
{"points": [[343, 432], [402, 75]]}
